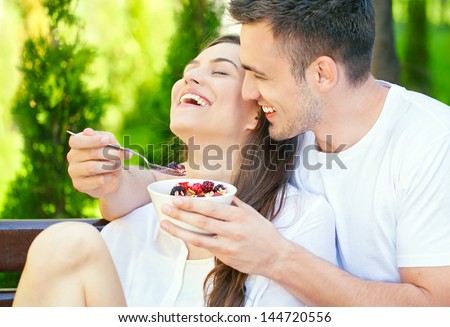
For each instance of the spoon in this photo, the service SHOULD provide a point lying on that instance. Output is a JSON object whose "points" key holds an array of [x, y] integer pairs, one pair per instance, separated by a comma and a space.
{"points": [[161, 169]]}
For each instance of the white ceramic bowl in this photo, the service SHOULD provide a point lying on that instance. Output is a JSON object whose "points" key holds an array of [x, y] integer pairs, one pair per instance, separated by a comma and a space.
{"points": [[160, 194]]}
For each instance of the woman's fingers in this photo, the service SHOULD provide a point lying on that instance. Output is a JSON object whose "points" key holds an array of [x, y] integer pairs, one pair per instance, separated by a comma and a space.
{"points": [[98, 186], [104, 153], [95, 168]]}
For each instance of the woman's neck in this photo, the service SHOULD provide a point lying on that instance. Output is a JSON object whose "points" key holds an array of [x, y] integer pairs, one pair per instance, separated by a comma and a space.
{"points": [[211, 163]]}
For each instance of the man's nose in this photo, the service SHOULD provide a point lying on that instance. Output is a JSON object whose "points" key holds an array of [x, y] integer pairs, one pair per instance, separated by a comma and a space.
{"points": [[249, 89]]}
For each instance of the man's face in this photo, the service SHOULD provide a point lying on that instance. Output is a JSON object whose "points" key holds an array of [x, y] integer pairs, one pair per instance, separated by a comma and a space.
{"points": [[290, 106]]}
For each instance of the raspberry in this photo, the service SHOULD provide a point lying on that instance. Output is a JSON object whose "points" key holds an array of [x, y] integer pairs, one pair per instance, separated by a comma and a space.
{"points": [[185, 185], [178, 190], [197, 188], [207, 186]]}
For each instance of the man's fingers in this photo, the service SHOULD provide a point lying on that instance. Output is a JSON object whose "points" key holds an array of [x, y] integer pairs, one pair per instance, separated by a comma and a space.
{"points": [[208, 224], [204, 241], [207, 208]]}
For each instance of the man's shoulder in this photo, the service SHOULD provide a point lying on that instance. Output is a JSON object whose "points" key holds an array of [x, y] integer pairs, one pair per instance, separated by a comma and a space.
{"points": [[298, 198], [413, 111]]}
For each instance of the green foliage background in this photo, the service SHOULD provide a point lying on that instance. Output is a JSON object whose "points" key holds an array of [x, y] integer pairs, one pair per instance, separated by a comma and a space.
{"points": [[60, 82], [52, 97], [138, 54], [199, 20], [129, 65]]}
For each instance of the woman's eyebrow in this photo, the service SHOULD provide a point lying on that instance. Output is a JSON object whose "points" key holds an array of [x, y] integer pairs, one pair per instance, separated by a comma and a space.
{"points": [[226, 60], [192, 62], [213, 61]]}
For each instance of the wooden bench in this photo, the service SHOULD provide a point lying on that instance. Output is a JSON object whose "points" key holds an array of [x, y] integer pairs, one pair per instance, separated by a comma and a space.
{"points": [[16, 236]]}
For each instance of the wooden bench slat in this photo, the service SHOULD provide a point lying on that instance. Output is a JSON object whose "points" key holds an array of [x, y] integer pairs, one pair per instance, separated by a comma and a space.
{"points": [[16, 236], [7, 297]]}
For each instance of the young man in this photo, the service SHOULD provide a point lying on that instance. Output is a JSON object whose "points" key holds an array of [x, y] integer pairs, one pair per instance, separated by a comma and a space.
{"points": [[380, 154]]}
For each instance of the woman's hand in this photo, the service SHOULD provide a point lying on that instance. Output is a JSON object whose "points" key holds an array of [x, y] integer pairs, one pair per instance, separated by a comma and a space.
{"points": [[95, 169]]}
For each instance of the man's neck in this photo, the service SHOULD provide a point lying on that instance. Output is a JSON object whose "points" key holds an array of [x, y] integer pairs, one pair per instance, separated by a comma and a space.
{"points": [[351, 113]]}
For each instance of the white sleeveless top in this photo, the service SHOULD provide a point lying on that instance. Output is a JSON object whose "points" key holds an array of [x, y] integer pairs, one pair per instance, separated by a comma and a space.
{"points": [[154, 270], [194, 275]]}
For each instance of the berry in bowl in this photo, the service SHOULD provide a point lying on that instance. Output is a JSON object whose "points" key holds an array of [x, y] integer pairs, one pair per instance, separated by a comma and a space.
{"points": [[198, 190], [163, 192]]}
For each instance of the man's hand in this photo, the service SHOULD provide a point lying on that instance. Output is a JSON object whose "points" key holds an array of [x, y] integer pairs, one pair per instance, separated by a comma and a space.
{"points": [[242, 237], [94, 169]]}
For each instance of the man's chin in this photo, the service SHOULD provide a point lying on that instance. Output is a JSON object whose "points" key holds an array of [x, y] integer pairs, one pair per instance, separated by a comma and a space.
{"points": [[280, 135]]}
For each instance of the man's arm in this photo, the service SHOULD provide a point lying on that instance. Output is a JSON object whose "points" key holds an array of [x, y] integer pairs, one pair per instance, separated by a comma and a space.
{"points": [[248, 242], [318, 283]]}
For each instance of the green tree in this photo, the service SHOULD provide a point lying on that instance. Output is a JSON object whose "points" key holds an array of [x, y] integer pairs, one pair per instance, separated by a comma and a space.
{"points": [[416, 74], [196, 22], [52, 98], [386, 65]]}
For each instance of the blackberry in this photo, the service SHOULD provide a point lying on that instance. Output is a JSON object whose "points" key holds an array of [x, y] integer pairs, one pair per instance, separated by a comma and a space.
{"points": [[207, 186], [173, 165], [219, 188], [178, 190], [177, 166]]}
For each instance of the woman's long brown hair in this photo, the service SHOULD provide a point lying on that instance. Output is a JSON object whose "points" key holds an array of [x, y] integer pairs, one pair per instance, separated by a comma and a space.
{"points": [[261, 182]]}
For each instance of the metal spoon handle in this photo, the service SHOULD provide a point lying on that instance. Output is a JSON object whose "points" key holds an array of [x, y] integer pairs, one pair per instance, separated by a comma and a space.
{"points": [[162, 169]]}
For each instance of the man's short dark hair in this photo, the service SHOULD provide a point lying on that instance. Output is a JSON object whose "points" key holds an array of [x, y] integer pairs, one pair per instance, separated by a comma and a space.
{"points": [[307, 29]]}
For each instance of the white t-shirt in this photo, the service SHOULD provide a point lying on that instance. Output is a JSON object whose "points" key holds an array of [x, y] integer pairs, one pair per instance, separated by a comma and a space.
{"points": [[392, 202], [151, 263]]}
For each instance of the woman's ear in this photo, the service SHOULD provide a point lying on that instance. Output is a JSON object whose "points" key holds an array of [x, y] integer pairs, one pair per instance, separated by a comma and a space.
{"points": [[326, 73], [254, 118]]}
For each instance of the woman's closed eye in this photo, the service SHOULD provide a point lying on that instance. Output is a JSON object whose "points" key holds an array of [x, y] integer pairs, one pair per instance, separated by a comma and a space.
{"points": [[220, 72]]}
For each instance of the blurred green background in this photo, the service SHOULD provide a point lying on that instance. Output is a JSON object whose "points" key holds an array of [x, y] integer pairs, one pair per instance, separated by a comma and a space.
{"points": [[131, 40]]}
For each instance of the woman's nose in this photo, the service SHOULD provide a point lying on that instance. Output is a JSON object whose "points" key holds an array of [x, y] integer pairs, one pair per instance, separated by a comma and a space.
{"points": [[193, 76]]}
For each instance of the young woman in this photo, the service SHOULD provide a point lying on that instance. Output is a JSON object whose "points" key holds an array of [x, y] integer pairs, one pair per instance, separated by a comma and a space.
{"points": [[151, 268]]}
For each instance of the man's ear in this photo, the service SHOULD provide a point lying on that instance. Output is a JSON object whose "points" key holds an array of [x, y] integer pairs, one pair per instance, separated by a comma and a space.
{"points": [[326, 73]]}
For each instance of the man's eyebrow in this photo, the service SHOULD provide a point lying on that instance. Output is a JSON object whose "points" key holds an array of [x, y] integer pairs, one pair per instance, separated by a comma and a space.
{"points": [[253, 69]]}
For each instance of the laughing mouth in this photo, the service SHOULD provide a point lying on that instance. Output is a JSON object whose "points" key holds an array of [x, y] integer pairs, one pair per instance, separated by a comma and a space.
{"points": [[268, 110], [190, 98]]}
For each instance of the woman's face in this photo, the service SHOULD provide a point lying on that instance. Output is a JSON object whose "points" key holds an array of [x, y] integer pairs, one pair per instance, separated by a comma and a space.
{"points": [[207, 103]]}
